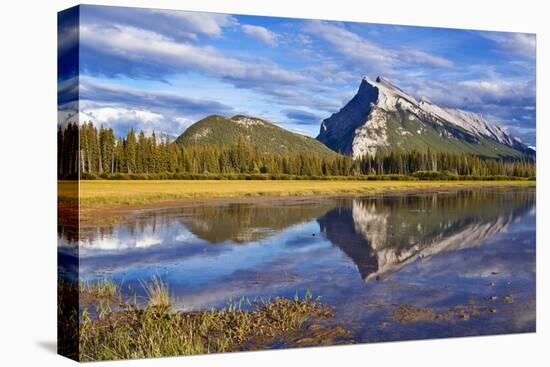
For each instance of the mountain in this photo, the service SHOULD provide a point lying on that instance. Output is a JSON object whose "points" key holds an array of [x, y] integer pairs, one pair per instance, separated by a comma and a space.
{"points": [[163, 136], [262, 135], [381, 117]]}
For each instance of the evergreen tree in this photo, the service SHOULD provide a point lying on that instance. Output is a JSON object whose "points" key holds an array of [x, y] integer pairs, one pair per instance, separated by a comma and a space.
{"points": [[98, 152]]}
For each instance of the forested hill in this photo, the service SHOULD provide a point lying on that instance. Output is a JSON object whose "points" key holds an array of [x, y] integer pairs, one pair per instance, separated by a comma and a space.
{"points": [[98, 153], [263, 136]]}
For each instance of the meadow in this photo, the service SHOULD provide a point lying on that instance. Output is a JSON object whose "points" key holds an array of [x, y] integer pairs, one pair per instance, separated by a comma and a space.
{"points": [[97, 194]]}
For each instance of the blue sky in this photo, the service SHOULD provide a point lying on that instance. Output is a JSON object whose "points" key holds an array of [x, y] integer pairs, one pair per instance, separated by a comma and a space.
{"points": [[162, 70]]}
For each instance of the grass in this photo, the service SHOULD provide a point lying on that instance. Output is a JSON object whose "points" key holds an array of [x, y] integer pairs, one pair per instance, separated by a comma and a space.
{"points": [[67, 318], [127, 331], [104, 193], [100, 289], [157, 293]]}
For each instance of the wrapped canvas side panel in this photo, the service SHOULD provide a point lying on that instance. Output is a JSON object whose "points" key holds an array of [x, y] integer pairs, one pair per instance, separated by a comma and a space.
{"points": [[68, 184]]}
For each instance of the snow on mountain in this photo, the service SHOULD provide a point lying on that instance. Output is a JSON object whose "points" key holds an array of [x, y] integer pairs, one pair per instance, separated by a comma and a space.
{"points": [[470, 121], [383, 117], [373, 225], [389, 94]]}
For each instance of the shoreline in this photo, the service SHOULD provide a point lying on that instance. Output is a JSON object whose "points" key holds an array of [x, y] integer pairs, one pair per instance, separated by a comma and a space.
{"points": [[109, 202], [108, 319]]}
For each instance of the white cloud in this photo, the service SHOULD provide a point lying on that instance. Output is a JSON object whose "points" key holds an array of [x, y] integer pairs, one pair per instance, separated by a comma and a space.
{"points": [[121, 117], [210, 24], [112, 115], [523, 44], [261, 34], [483, 85], [121, 107], [420, 57], [118, 244], [332, 73], [351, 45], [498, 89], [370, 55], [468, 94], [148, 241], [138, 45]]}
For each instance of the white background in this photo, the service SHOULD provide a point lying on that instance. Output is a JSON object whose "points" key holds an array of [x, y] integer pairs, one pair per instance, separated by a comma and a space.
{"points": [[28, 187]]}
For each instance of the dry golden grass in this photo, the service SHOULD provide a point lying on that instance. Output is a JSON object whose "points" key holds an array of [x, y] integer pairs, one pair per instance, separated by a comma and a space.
{"points": [[99, 193], [157, 293], [155, 330]]}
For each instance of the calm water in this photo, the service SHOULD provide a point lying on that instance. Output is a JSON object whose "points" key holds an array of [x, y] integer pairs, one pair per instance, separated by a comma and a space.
{"points": [[364, 256]]}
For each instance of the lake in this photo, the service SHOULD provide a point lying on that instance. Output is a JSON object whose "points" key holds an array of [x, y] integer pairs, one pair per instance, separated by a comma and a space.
{"points": [[394, 267]]}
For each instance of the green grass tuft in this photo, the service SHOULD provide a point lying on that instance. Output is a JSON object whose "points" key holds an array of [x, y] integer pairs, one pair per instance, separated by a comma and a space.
{"points": [[157, 293]]}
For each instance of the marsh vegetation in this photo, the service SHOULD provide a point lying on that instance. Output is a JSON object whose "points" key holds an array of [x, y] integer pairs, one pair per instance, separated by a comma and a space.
{"points": [[113, 328]]}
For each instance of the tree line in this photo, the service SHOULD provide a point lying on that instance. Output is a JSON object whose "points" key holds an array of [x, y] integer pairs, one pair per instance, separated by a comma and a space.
{"points": [[90, 151]]}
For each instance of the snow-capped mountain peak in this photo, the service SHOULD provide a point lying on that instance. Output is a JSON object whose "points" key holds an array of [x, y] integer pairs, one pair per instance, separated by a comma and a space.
{"points": [[424, 99], [469, 121], [383, 117], [388, 93]]}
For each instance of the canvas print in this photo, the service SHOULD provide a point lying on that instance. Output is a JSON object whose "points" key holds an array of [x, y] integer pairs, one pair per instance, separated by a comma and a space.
{"points": [[236, 183]]}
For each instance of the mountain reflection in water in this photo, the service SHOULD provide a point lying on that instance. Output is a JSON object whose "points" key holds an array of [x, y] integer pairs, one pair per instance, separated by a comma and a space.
{"points": [[364, 256], [381, 235]]}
